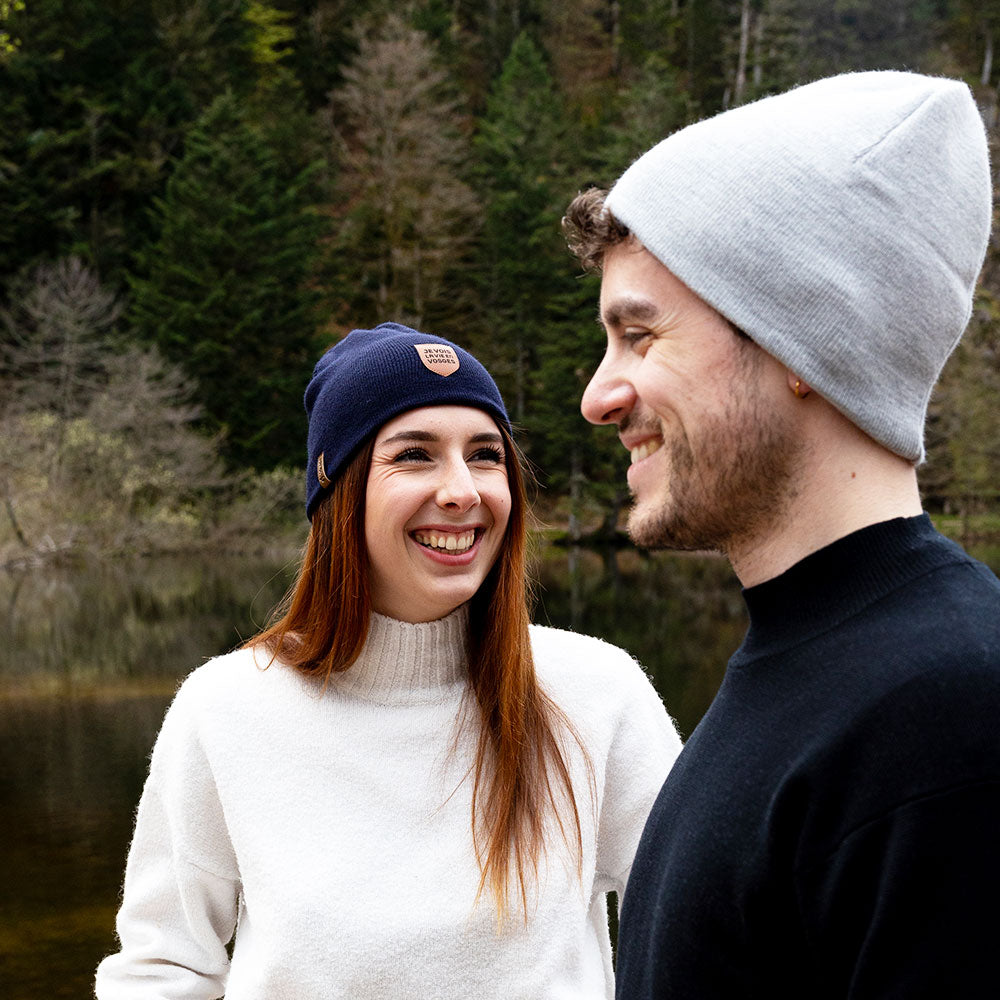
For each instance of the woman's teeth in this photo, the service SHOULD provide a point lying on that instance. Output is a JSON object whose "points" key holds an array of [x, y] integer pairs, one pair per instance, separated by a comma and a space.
{"points": [[646, 449], [460, 542]]}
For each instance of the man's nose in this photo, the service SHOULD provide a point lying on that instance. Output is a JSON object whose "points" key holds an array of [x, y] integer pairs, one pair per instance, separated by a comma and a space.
{"points": [[608, 397]]}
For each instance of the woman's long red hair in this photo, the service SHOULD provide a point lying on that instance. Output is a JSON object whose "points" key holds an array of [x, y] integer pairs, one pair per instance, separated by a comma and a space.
{"points": [[520, 775]]}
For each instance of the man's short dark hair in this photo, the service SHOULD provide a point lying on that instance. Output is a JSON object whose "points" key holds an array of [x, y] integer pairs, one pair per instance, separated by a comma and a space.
{"points": [[591, 231]]}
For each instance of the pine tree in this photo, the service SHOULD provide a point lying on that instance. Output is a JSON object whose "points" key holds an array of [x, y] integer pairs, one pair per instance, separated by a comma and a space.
{"points": [[223, 290], [541, 341], [650, 109], [520, 148], [94, 103]]}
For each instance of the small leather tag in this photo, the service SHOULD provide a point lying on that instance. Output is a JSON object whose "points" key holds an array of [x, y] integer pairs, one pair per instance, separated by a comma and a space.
{"points": [[321, 472], [438, 358]]}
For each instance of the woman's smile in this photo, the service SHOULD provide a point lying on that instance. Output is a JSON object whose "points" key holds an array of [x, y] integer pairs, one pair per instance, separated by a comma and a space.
{"points": [[447, 541]]}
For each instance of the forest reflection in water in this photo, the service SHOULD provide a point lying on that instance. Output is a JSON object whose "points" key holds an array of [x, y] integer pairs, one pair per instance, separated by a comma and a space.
{"points": [[90, 658]]}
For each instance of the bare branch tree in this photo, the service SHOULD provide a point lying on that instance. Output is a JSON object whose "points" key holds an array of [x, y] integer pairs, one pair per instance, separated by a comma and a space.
{"points": [[98, 451], [399, 134]]}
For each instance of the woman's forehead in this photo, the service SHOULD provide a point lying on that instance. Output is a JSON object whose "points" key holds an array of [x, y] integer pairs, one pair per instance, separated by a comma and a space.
{"points": [[437, 422]]}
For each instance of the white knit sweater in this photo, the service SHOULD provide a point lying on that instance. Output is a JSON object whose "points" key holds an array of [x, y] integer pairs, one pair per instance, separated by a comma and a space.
{"points": [[331, 830]]}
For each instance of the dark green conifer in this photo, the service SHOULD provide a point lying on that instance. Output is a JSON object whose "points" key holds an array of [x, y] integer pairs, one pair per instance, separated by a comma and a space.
{"points": [[224, 287]]}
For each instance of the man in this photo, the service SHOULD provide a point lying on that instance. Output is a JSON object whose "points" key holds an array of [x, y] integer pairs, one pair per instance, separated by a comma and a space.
{"points": [[781, 286]]}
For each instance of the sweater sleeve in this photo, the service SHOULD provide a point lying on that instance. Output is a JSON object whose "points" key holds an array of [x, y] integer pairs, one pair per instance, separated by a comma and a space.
{"points": [[644, 747], [181, 891]]}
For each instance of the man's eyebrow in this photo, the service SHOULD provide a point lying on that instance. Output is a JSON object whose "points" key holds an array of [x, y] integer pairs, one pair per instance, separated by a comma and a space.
{"points": [[622, 310]]}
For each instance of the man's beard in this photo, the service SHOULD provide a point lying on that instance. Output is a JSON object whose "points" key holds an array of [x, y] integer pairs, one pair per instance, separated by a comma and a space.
{"points": [[730, 487]]}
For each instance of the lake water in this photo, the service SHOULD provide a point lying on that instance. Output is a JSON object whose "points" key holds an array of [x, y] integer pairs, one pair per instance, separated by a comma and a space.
{"points": [[89, 659]]}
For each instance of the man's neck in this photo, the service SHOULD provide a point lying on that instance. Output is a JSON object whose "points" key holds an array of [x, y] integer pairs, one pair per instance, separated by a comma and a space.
{"points": [[838, 492]]}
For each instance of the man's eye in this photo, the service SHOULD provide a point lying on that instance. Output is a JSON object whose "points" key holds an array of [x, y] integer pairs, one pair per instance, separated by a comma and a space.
{"points": [[633, 337]]}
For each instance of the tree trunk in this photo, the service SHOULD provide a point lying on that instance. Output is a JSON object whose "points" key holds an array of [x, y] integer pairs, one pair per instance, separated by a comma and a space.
{"points": [[672, 29], [758, 50], [739, 86], [575, 475], [984, 77], [616, 38], [609, 525], [689, 18]]}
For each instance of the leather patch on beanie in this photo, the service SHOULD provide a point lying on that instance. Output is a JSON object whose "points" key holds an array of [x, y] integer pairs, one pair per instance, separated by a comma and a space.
{"points": [[438, 358], [321, 475]]}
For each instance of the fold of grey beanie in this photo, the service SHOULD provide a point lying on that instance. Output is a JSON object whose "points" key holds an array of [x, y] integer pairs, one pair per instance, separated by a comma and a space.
{"points": [[842, 225]]}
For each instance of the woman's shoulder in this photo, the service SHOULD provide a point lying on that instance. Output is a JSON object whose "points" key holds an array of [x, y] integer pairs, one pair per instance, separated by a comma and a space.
{"points": [[603, 688], [226, 681], [561, 644], [585, 661]]}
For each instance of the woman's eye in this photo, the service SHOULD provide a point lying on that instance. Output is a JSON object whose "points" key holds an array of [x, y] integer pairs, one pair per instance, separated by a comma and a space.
{"points": [[488, 455], [412, 455]]}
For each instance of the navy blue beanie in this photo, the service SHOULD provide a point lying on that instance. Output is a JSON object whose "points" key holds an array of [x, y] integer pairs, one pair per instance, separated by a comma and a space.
{"points": [[370, 377]]}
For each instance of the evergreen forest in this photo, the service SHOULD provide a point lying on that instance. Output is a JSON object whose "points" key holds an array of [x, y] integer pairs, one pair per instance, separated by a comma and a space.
{"points": [[197, 197]]}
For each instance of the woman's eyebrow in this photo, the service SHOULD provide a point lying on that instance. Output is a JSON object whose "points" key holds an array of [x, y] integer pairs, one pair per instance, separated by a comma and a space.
{"points": [[411, 436], [492, 437]]}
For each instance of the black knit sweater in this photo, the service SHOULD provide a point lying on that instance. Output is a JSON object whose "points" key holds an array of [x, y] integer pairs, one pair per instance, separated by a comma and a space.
{"points": [[832, 828]]}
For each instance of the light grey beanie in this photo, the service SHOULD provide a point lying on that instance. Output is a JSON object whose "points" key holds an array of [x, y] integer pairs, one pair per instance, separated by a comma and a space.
{"points": [[841, 225]]}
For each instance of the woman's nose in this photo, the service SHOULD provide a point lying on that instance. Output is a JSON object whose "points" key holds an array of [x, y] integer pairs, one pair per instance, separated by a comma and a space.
{"points": [[457, 489], [608, 397]]}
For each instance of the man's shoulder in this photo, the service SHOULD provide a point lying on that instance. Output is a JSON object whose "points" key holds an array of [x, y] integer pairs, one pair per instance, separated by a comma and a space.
{"points": [[948, 615]]}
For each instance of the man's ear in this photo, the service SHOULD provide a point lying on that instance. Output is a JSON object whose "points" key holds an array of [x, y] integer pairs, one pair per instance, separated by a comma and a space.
{"points": [[798, 385]]}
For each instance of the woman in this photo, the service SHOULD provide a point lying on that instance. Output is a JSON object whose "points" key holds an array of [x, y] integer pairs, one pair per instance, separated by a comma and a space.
{"points": [[398, 789]]}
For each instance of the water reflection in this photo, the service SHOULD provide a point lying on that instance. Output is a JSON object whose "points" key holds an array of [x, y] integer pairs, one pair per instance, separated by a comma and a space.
{"points": [[89, 661], [140, 624]]}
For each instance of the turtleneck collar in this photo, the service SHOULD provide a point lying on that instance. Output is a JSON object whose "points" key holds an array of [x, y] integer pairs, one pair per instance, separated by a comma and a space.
{"points": [[403, 662], [831, 585]]}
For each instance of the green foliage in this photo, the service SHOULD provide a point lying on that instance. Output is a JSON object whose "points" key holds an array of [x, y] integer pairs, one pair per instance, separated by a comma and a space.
{"points": [[807, 39], [8, 43], [651, 108], [520, 149], [584, 463], [223, 287], [94, 107], [271, 35], [973, 31], [962, 474], [486, 33], [538, 315]]}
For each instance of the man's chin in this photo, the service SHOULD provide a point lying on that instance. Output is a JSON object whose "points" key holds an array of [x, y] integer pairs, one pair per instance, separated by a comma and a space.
{"points": [[648, 529], [660, 529]]}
